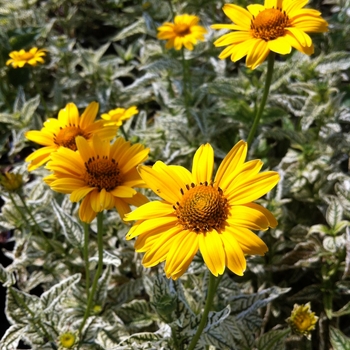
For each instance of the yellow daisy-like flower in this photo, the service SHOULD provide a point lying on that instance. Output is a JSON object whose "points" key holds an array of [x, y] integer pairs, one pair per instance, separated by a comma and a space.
{"points": [[22, 57], [11, 181], [102, 175], [119, 115], [61, 132], [185, 31], [215, 216], [277, 26], [67, 340], [302, 320]]}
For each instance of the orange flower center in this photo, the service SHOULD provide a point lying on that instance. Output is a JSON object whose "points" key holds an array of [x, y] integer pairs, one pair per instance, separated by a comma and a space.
{"points": [[102, 173], [27, 56], [202, 208], [66, 137], [269, 24], [182, 29]]}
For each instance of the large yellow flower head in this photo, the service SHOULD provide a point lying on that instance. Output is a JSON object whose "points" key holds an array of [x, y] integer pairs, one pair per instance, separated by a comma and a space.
{"points": [[102, 175], [61, 132], [22, 57], [277, 26], [215, 215], [185, 31], [119, 115]]}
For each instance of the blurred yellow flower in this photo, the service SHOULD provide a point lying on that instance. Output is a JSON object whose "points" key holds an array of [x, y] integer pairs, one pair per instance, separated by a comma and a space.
{"points": [[276, 26], [102, 175], [185, 31], [61, 132], [119, 115], [215, 216], [67, 340], [11, 181], [22, 57], [302, 320]]}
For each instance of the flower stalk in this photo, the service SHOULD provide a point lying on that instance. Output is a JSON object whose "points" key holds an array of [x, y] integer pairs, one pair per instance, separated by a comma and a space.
{"points": [[270, 65], [213, 285], [98, 271]]}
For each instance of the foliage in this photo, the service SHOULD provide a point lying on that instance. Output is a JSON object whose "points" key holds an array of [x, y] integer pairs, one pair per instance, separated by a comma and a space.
{"points": [[108, 52]]}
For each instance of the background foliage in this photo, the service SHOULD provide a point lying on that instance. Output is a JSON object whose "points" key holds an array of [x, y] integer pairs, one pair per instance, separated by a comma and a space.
{"points": [[107, 51]]}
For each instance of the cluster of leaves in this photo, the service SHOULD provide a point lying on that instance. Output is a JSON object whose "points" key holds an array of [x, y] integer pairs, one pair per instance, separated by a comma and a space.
{"points": [[108, 52]]}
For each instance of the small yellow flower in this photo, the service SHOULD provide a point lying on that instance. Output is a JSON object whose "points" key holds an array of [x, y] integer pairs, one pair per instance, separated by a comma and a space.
{"points": [[22, 57], [61, 132], [185, 31], [101, 174], [97, 309], [199, 212], [276, 26], [302, 321], [11, 181], [67, 340], [119, 115]]}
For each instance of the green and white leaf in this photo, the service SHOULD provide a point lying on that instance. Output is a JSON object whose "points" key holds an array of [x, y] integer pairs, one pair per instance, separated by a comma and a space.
{"points": [[338, 340], [6, 278]]}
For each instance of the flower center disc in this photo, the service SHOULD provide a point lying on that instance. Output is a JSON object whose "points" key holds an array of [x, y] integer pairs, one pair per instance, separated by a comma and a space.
{"points": [[27, 56], [269, 24], [102, 173], [182, 30], [66, 137], [202, 208]]}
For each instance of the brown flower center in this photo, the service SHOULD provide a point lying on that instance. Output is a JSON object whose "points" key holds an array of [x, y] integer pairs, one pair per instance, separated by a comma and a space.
{"points": [[102, 173], [202, 208], [66, 136], [269, 24], [302, 321], [182, 29]]}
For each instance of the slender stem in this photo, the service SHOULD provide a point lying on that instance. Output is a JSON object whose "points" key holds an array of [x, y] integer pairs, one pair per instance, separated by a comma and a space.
{"points": [[99, 269], [213, 285], [270, 64], [86, 257], [37, 87], [171, 9], [124, 132]]}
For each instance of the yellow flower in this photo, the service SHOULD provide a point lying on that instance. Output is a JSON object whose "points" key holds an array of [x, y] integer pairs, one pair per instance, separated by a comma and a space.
{"points": [[118, 115], [11, 181], [277, 26], [185, 31], [67, 340], [215, 216], [302, 321], [61, 132], [32, 57], [100, 174]]}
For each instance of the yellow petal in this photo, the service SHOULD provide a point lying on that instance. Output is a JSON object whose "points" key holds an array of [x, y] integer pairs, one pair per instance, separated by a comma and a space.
{"points": [[238, 15], [160, 249], [249, 217], [235, 259], [203, 164], [290, 5], [255, 9], [301, 36], [231, 163], [184, 247], [137, 200], [123, 192], [270, 218], [79, 191], [89, 115], [39, 137], [232, 38], [249, 242], [122, 207], [86, 214], [163, 181], [241, 50], [67, 185], [150, 210], [280, 45], [296, 44], [152, 226], [212, 250], [228, 26], [254, 188], [84, 148], [257, 54]]}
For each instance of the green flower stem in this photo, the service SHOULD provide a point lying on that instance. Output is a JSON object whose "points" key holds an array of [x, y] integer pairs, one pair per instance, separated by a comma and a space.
{"points": [[270, 64], [86, 257], [99, 269], [37, 87], [171, 9], [185, 83], [213, 285], [125, 135]]}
